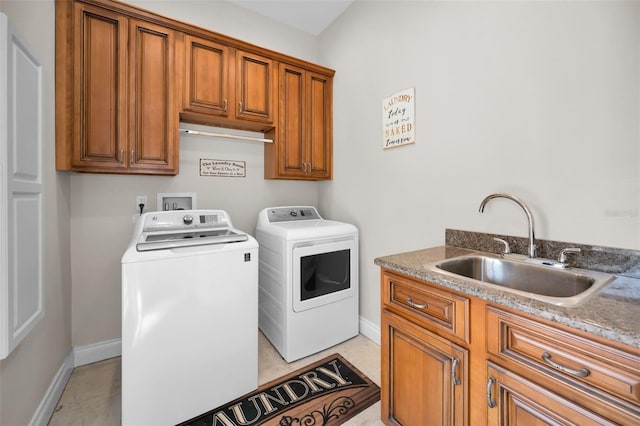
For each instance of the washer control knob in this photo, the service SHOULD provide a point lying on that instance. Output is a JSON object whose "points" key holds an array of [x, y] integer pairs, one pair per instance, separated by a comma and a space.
{"points": [[293, 213], [188, 220]]}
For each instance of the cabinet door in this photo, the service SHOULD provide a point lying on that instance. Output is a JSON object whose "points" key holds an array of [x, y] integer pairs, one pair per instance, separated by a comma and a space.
{"points": [[293, 126], [303, 147], [206, 77], [255, 87], [153, 112], [320, 142], [99, 94], [424, 377], [513, 400]]}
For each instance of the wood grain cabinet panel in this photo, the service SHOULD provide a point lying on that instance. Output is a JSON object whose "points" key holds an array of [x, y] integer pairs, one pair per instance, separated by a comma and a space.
{"points": [[516, 401], [441, 311], [424, 377], [99, 121], [513, 368], [126, 77], [154, 117], [256, 87], [227, 87], [599, 376], [206, 88], [303, 139], [115, 106]]}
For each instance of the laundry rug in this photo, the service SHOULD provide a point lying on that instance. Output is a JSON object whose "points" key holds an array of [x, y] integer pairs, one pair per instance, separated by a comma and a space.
{"points": [[327, 392]]}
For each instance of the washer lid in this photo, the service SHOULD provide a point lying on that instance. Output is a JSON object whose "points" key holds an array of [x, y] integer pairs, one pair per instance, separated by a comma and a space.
{"points": [[168, 240]]}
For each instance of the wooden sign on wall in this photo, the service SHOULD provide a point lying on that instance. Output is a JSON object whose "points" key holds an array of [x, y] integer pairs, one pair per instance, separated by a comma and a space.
{"points": [[224, 168], [398, 119]]}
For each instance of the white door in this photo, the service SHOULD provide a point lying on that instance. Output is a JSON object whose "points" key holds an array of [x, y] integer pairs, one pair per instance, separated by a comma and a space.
{"points": [[21, 190]]}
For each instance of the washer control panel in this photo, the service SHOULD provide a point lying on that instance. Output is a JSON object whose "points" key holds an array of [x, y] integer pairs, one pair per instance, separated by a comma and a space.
{"points": [[288, 214], [185, 219]]}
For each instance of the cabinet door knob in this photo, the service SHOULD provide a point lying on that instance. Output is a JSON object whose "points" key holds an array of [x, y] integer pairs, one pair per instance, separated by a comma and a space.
{"points": [[490, 402], [455, 379], [411, 303], [583, 372]]}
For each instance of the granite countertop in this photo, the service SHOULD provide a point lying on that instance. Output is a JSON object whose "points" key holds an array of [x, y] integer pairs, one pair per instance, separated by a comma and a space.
{"points": [[612, 313]]}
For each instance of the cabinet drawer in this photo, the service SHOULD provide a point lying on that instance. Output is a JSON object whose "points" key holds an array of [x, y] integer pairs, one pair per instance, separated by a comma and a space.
{"points": [[431, 307], [580, 362]]}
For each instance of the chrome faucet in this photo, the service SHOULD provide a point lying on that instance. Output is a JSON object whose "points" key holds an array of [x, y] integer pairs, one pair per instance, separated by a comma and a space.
{"points": [[532, 241]]}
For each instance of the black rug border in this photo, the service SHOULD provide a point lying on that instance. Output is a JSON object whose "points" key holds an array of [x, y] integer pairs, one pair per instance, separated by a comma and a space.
{"points": [[358, 409]]}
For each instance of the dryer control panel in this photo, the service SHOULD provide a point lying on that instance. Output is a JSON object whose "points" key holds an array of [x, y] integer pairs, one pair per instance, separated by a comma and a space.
{"points": [[288, 214]]}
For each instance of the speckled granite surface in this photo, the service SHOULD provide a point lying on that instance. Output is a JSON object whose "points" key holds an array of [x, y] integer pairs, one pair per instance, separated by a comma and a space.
{"points": [[604, 259], [613, 313]]}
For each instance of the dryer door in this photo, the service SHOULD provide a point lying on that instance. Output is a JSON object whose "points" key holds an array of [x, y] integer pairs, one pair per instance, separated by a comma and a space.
{"points": [[324, 272]]}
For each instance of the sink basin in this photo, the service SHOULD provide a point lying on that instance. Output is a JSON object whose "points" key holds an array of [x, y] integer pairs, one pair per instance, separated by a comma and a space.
{"points": [[563, 287]]}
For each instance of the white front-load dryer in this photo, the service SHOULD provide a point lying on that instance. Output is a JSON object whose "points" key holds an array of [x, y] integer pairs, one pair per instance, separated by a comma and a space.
{"points": [[308, 280]]}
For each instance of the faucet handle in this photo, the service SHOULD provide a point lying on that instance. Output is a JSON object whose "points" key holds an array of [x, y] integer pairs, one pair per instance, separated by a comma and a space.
{"points": [[562, 258], [507, 249]]}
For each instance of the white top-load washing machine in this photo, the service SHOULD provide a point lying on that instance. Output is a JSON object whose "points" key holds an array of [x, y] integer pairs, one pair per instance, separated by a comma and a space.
{"points": [[189, 316], [308, 279]]}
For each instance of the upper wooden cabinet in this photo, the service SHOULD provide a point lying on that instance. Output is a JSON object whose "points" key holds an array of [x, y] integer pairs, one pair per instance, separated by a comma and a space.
{"points": [[207, 86], [255, 87], [303, 138], [225, 86], [115, 107], [126, 77]]}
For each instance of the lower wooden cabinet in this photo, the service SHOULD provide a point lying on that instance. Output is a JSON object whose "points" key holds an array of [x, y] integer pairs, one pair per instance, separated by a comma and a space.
{"points": [[510, 368], [424, 376], [514, 400]]}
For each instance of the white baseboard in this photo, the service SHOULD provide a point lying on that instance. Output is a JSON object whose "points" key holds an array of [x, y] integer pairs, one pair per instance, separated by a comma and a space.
{"points": [[48, 404], [370, 330], [95, 352], [78, 356]]}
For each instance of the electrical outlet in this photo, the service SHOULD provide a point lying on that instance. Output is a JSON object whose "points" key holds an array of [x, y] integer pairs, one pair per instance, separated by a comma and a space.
{"points": [[141, 199]]}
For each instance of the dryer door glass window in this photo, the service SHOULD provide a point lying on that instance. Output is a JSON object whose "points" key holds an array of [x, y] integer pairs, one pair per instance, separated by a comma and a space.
{"points": [[324, 273]]}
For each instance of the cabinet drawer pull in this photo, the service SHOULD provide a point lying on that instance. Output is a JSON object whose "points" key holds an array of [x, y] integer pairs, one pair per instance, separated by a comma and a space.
{"points": [[121, 156], [583, 372], [415, 305], [490, 402], [224, 105], [240, 105], [454, 379], [132, 156]]}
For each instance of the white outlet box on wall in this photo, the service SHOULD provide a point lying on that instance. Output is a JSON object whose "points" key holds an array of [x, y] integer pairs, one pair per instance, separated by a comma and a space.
{"points": [[176, 201]]}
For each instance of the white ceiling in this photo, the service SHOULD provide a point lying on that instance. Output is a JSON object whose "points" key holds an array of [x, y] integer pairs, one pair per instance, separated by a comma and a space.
{"points": [[310, 16]]}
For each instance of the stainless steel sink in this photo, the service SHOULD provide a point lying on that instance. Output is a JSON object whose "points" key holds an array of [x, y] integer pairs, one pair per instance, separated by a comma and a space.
{"points": [[563, 287]]}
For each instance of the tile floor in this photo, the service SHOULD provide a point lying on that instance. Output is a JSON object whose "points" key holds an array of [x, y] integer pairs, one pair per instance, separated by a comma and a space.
{"points": [[92, 396]]}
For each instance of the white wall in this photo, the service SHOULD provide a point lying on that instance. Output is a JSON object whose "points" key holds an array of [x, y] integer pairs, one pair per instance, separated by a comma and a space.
{"points": [[238, 22], [102, 205], [539, 99], [28, 371]]}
